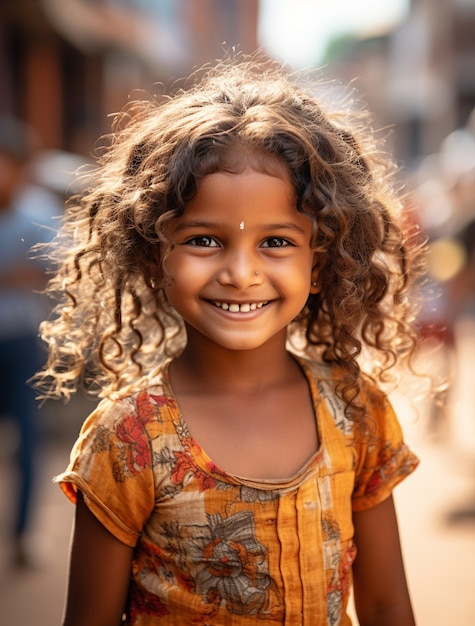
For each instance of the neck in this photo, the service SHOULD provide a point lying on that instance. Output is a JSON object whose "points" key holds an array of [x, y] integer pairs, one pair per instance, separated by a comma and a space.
{"points": [[210, 367]]}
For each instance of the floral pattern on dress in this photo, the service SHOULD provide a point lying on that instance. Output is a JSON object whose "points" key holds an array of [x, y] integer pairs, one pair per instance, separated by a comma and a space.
{"points": [[145, 603], [134, 431], [184, 468], [392, 463], [231, 565]]}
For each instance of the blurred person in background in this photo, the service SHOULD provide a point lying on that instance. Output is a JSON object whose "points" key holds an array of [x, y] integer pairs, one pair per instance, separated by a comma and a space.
{"points": [[26, 218]]}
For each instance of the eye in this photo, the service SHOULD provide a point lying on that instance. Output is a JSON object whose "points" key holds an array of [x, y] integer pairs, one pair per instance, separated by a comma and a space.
{"points": [[202, 241], [276, 242]]}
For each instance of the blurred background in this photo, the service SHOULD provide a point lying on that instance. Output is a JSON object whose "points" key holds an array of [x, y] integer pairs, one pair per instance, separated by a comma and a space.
{"points": [[66, 65]]}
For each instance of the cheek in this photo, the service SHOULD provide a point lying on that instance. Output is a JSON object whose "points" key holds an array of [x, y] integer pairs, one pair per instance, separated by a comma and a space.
{"points": [[298, 272], [185, 274], [173, 262], [302, 280]]}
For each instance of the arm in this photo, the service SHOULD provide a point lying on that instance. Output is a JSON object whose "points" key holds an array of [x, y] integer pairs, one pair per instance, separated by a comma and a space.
{"points": [[100, 568], [381, 594]]}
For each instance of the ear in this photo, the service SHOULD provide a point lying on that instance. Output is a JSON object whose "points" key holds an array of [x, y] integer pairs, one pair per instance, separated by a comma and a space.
{"points": [[315, 284], [153, 272]]}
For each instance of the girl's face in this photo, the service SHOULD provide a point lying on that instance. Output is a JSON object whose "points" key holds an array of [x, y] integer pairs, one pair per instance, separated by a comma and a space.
{"points": [[241, 262]]}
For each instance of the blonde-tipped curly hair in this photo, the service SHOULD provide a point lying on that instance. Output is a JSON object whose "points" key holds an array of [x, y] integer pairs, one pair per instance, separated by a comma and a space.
{"points": [[112, 323]]}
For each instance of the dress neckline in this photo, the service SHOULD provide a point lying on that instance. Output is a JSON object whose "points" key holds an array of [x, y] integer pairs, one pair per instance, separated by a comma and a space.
{"points": [[207, 465]]}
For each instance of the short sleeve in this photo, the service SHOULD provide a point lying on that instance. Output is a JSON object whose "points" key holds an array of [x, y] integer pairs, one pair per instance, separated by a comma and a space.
{"points": [[383, 459], [111, 464]]}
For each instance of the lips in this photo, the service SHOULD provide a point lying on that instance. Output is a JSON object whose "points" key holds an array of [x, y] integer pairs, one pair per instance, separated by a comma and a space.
{"points": [[244, 307]]}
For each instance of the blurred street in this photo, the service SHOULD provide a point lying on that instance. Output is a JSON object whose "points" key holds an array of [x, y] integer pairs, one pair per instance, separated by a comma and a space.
{"points": [[438, 537]]}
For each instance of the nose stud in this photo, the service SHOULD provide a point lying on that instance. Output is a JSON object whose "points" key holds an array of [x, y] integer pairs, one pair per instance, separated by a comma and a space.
{"points": [[256, 273]]}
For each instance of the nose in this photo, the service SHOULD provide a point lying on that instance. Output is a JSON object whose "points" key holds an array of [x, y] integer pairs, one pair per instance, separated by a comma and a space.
{"points": [[239, 269]]}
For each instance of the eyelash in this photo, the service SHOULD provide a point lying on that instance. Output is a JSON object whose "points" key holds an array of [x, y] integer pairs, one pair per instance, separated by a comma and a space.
{"points": [[194, 241], [283, 243], [204, 241]]}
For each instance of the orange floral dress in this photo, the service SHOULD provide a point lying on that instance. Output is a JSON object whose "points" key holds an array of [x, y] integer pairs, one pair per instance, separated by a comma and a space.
{"points": [[213, 548]]}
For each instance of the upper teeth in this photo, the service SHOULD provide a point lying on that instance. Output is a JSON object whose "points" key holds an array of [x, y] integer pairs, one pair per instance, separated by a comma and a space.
{"points": [[240, 308]]}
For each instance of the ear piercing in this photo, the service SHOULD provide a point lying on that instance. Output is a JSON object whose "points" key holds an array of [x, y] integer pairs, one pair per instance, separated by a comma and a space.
{"points": [[314, 283]]}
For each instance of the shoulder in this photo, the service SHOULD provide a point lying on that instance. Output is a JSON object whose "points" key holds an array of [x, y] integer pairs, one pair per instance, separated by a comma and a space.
{"points": [[147, 401], [121, 436], [324, 381], [328, 376]]}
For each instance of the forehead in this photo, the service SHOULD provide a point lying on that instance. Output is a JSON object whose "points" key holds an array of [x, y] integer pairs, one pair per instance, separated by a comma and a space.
{"points": [[245, 201], [244, 157]]}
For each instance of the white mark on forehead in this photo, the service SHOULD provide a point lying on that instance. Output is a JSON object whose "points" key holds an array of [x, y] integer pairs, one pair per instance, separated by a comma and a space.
{"points": [[241, 225]]}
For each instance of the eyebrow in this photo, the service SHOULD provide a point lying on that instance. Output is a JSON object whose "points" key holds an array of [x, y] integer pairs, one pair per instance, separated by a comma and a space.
{"points": [[195, 224], [213, 225], [285, 226]]}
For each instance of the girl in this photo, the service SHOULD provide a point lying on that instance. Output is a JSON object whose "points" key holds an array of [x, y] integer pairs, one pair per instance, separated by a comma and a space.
{"points": [[239, 249]]}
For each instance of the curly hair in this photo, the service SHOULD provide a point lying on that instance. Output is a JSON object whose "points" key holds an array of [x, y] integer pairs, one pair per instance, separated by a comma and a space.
{"points": [[112, 323]]}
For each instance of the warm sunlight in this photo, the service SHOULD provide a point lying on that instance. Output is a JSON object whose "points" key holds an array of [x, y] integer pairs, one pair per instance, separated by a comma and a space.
{"points": [[298, 31]]}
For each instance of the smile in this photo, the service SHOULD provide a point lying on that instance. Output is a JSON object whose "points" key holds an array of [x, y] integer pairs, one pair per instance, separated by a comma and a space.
{"points": [[245, 307]]}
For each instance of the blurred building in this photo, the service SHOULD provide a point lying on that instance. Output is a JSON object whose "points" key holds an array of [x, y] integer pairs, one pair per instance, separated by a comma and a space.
{"points": [[66, 64], [420, 77]]}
